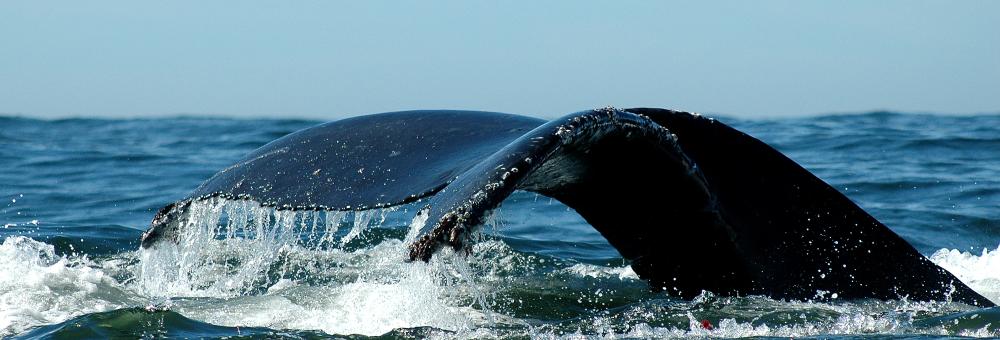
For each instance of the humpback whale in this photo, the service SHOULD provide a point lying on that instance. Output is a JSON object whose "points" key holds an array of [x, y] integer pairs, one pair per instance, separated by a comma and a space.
{"points": [[690, 202]]}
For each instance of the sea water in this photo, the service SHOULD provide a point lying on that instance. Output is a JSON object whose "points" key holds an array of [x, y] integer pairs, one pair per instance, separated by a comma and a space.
{"points": [[76, 194]]}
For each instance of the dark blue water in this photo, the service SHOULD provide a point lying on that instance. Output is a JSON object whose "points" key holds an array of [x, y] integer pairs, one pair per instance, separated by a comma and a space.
{"points": [[76, 194]]}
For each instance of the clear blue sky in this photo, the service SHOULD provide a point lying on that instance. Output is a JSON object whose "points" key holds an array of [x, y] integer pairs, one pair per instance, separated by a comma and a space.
{"points": [[329, 59]]}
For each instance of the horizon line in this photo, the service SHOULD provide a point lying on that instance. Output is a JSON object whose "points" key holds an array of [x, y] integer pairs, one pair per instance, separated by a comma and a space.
{"points": [[313, 116]]}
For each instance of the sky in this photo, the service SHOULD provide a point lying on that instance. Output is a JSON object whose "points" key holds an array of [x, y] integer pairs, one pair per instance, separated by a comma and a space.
{"points": [[333, 59]]}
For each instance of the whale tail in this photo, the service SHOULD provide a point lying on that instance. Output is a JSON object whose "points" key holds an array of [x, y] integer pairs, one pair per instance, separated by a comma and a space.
{"points": [[692, 203]]}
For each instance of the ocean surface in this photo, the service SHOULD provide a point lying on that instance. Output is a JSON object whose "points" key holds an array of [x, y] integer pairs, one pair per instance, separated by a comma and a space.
{"points": [[76, 194]]}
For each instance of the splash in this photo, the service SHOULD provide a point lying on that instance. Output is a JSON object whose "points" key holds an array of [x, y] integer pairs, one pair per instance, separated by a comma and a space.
{"points": [[980, 272], [39, 287], [344, 273], [340, 272], [383, 294], [240, 265], [595, 271], [229, 248]]}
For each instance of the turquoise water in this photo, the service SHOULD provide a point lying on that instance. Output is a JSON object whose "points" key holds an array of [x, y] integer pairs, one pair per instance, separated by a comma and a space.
{"points": [[76, 194]]}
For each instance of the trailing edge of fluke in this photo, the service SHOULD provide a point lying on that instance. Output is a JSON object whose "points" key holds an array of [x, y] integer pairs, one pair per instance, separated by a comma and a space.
{"points": [[692, 203]]}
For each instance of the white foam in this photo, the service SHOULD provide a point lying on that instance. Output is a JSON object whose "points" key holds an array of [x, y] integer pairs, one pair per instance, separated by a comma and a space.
{"points": [[847, 319], [980, 272], [599, 272], [311, 284], [237, 264], [385, 294], [372, 291], [38, 287]]}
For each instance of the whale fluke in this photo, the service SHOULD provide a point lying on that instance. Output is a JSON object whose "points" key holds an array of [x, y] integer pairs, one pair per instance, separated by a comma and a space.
{"points": [[692, 203]]}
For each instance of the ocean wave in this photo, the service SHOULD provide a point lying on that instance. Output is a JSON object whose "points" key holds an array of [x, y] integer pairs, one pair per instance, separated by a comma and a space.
{"points": [[980, 272], [40, 287]]}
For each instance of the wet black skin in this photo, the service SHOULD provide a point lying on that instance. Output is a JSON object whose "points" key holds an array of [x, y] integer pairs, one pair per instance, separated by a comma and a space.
{"points": [[693, 203]]}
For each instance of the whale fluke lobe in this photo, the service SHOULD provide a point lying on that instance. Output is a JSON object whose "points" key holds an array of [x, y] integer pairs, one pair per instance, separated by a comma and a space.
{"points": [[692, 203]]}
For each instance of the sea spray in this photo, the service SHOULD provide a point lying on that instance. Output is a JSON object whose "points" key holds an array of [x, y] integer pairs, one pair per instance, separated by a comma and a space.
{"points": [[980, 272], [38, 286], [296, 269]]}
